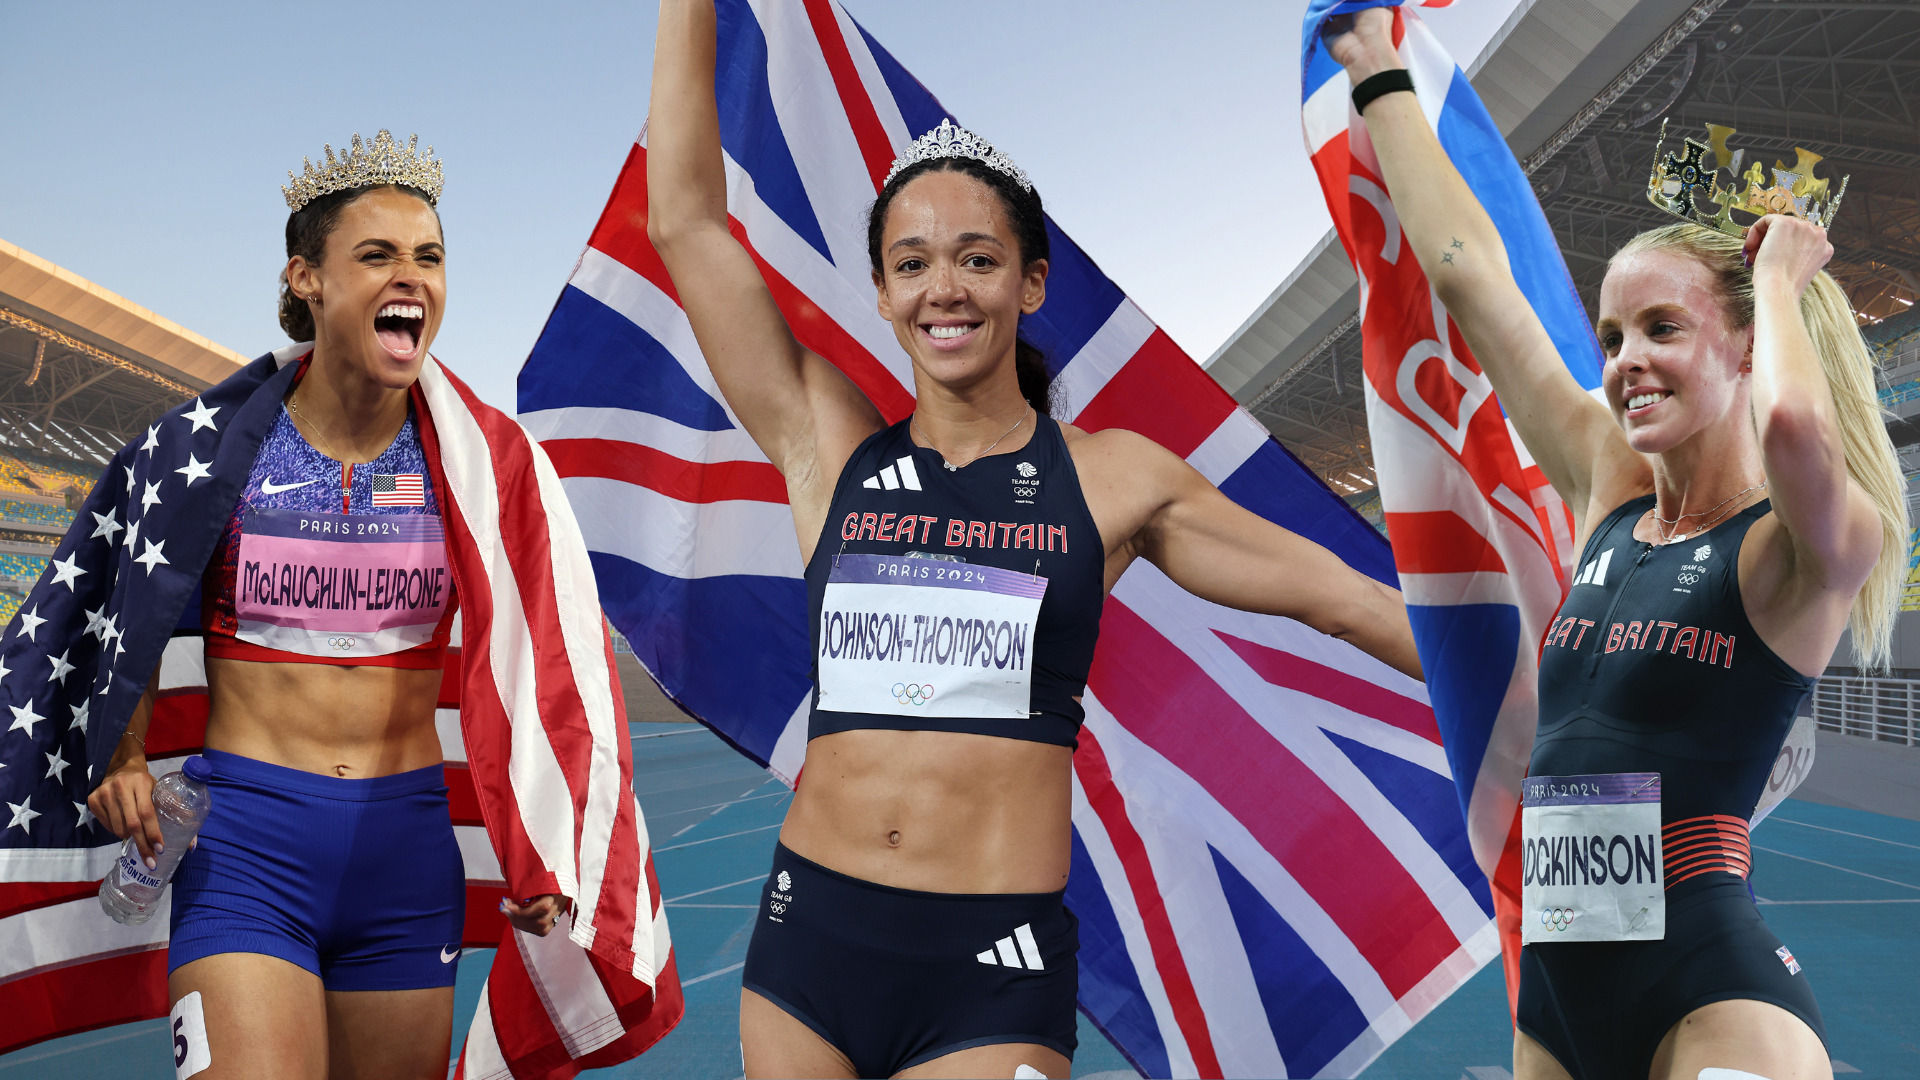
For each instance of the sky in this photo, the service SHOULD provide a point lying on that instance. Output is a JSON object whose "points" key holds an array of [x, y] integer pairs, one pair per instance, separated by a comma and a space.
{"points": [[146, 143]]}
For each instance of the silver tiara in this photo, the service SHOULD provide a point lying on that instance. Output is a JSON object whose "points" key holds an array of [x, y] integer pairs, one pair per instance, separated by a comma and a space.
{"points": [[947, 141]]}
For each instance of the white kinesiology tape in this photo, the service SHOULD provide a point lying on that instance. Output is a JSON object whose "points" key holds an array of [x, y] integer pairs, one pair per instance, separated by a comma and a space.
{"points": [[1729, 1074], [187, 1023]]}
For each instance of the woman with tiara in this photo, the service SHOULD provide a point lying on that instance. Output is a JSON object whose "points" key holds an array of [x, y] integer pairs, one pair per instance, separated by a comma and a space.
{"points": [[913, 921], [317, 924], [1739, 505]]}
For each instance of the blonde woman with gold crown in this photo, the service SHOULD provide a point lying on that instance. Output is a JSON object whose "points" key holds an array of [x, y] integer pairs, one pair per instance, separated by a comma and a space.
{"points": [[317, 924], [1738, 506]]}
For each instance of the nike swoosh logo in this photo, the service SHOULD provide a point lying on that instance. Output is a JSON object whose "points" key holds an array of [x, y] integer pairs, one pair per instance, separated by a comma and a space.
{"points": [[268, 487], [448, 957]]}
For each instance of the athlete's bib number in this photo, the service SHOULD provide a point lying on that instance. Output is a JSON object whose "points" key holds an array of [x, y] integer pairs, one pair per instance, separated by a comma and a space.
{"points": [[927, 637], [340, 585], [1591, 863]]}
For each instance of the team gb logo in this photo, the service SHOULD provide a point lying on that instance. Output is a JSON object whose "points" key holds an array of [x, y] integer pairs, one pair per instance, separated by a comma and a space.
{"points": [[1700, 553], [1025, 468], [784, 883]]}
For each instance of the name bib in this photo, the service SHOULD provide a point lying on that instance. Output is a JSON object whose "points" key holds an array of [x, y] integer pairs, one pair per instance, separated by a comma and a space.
{"points": [[340, 584], [927, 637], [1591, 865]]}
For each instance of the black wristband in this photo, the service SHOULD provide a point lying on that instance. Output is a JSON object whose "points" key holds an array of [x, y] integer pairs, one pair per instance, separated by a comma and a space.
{"points": [[1384, 82]]}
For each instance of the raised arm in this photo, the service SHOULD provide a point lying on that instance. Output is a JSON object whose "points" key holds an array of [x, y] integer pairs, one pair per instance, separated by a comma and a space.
{"points": [[1575, 438], [805, 415], [1161, 509]]}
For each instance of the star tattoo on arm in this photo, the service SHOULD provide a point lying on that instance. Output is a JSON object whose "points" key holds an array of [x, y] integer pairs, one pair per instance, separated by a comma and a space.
{"points": [[1446, 257]]}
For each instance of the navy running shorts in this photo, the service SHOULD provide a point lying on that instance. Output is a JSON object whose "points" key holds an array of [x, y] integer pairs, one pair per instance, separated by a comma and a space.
{"points": [[894, 977], [1602, 1007], [358, 881]]}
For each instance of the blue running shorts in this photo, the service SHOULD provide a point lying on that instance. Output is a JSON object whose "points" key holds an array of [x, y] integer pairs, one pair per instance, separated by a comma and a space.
{"points": [[357, 881]]}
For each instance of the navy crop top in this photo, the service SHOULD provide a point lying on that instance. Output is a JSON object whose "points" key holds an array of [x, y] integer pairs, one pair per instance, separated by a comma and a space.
{"points": [[1652, 666], [956, 600]]}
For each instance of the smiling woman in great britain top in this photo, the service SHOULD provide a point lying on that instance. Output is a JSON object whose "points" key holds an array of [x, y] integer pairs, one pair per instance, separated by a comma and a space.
{"points": [[1737, 502], [956, 567], [320, 916]]}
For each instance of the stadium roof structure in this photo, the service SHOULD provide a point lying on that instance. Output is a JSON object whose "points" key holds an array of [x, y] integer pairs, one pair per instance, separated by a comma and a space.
{"points": [[83, 369], [1580, 88]]}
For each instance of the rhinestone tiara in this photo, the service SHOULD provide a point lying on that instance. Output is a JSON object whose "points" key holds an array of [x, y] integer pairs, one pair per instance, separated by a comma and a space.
{"points": [[1677, 180], [948, 141], [379, 161]]}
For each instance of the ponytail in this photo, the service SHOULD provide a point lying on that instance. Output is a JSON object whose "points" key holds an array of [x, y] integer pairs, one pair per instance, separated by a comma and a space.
{"points": [[1036, 382], [1849, 367]]}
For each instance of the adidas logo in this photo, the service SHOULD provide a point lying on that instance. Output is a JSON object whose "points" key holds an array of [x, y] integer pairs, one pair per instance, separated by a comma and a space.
{"points": [[1010, 950], [889, 479], [1595, 572]]}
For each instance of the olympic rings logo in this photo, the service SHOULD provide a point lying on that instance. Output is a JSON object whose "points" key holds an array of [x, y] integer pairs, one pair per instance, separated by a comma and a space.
{"points": [[1556, 918], [342, 643], [1689, 578], [913, 693]]}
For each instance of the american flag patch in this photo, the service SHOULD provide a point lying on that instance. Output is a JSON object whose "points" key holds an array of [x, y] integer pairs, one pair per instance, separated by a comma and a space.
{"points": [[401, 489]]}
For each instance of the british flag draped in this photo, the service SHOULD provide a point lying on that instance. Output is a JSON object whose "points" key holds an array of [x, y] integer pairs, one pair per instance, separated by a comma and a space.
{"points": [[1482, 542], [530, 714], [1269, 865]]}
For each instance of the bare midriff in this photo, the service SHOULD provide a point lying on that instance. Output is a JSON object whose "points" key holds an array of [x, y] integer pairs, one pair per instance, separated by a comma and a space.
{"points": [[936, 811], [354, 722]]}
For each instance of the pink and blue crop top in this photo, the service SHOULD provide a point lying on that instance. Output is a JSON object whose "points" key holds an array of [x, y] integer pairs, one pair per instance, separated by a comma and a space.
{"points": [[325, 562]]}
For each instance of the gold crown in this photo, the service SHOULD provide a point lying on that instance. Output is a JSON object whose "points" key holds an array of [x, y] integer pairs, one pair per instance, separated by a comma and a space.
{"points": [[1793, 191], [380, 161]]}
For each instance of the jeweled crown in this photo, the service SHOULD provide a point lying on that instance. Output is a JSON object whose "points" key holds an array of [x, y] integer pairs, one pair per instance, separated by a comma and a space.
{"points": [[378, 161], [1685, 183], [948, 141]]}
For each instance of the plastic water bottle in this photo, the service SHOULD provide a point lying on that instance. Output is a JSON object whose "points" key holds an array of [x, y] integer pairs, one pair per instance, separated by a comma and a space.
{"points": [[131, 892]]}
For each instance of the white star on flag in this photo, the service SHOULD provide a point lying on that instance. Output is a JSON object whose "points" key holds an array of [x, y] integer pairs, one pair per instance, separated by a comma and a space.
{"points": [[56, 765], [195, 469], [4, 671], [68, 572], [95, 622], [133, 532], [106, 525], [150, 496], [60, 668], [153, 439], [80, 715], [129, 469], [30, 621], [86, 815], [152, 557], [201, 416], [24, 718], [23, 815]]}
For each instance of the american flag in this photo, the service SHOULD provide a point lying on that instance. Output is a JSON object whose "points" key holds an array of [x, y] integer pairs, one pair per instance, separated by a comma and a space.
{"points": [[399, 489], [531, 717], [1482, 542], [1269, 865]]}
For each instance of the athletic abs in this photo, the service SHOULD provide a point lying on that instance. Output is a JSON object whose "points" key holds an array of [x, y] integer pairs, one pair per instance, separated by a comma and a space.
{"points": [[1000, 569], [1651, 666]]}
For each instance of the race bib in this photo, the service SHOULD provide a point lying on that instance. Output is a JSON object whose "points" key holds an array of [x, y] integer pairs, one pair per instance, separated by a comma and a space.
{"points": [[927, 637], [340, 584], [1591, 865]]}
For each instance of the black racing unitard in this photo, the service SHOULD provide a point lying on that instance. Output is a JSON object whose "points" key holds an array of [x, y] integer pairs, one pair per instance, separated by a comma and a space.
{"points": [[1021, 511], [1652, 666]]}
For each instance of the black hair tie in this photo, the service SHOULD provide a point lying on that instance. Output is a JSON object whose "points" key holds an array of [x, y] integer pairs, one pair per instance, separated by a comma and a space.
{"points": [[1378, 84]]}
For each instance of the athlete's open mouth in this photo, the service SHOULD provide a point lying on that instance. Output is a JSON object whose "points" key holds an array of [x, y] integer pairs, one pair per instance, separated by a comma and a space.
{"points": [[1646, 398], [949, 333], [398, 326]]}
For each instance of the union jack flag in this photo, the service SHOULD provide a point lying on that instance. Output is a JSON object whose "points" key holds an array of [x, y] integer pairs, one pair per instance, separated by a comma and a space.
{"points": [[1482, 542], [530, 716], [1269, 866]]}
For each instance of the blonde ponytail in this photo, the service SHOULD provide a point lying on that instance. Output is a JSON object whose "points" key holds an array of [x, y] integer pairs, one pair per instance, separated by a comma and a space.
{"points": [[1849, 367]]}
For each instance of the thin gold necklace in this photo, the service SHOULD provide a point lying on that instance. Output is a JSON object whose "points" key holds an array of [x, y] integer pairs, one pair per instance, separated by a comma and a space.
{"points": [[325, 446], [914, 423], [1668, 537]]}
